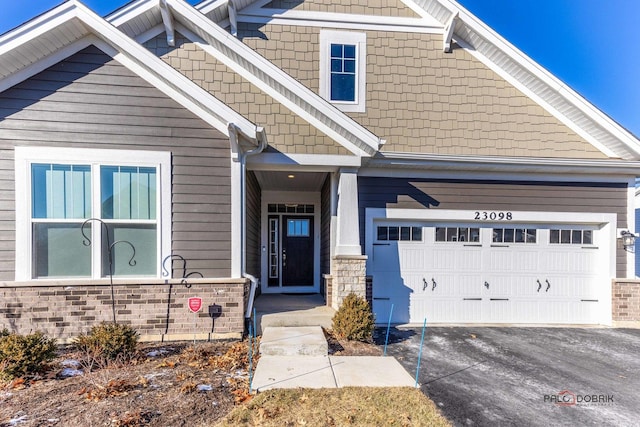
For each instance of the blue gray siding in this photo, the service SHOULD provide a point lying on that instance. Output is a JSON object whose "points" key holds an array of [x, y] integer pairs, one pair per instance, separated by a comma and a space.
{"points": [[91, 101]]}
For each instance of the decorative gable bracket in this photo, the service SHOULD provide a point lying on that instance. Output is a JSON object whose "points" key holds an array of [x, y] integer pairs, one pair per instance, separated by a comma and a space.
{"points": [[167, 20], [233, 18], [447, 33]]}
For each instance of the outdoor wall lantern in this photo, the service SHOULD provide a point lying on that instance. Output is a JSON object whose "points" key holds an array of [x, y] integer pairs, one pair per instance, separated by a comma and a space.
{"points": [[628, 239]]}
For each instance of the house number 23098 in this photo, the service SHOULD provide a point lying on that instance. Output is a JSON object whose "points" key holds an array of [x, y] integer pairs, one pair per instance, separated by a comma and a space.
{"points": [[500, 216]]}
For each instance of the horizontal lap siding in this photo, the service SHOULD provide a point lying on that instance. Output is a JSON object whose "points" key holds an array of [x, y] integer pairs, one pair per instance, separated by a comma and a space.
{"points": [[91, 101], [404, 193]]}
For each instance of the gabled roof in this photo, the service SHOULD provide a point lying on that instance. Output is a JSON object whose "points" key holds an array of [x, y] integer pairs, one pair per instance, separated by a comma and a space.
{"points": [[64, 30], [534, 81], [144, 15], [502, 57]]}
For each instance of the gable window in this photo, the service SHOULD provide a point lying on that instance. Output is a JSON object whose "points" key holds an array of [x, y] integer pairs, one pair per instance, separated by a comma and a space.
{"points": [[343, 69], [60, 188]]}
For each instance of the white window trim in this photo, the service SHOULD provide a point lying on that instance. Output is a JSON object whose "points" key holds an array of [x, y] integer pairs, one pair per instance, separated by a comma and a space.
{"points": [[25, 156], [327, 37]]}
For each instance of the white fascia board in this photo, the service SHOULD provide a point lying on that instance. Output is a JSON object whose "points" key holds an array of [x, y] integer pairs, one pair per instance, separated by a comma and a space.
{"points": [[49, 61], [209, 32], [473, 24], [166, 78], [307, 162], [341, 20], [38, 26]]}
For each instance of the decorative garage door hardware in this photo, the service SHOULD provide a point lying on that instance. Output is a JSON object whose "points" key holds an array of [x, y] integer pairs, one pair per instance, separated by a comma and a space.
{"points": [[426, 284], [540, 285]]}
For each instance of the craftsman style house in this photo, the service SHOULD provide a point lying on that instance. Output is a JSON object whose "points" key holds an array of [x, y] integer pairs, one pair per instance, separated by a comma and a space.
{"points": [[292, 146]]}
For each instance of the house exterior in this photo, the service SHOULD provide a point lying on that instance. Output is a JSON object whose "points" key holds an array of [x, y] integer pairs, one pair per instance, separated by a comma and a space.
{"points": [[396, 147]]}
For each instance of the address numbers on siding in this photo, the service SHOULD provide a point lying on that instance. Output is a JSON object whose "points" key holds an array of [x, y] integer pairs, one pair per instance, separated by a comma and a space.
{"points": [[493, 215]]}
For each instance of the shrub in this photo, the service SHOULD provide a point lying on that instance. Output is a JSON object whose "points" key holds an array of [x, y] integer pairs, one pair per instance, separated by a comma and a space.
{"points": [[24, 355], [353, 320], [106, 343]]}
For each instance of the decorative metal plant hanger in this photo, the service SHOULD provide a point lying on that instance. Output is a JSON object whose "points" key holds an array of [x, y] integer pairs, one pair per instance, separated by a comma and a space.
{"points": [[110, 246], [167, 274]]}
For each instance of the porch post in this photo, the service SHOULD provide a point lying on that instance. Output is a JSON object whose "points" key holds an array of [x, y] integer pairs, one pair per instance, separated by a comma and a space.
{"points": [[348, 228], [348, 265]]}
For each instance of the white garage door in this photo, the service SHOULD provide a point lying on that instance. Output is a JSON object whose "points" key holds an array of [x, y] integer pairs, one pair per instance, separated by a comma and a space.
{"points": [[466, 273]]}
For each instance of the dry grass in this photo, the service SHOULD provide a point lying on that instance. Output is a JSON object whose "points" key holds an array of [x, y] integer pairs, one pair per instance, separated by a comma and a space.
{"points": [[350, 406]]}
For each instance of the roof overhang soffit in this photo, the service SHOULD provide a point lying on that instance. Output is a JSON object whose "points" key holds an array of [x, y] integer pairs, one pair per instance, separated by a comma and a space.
{"points": [[534, 81], [274, 82], [132, 55]]}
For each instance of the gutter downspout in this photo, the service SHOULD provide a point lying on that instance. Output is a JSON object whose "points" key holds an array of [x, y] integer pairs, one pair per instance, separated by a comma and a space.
{"points": [[242, 158]]}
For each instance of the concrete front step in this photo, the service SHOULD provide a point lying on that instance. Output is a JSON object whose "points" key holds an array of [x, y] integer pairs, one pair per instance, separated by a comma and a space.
{"points": [[293, 341], [317, 316]]}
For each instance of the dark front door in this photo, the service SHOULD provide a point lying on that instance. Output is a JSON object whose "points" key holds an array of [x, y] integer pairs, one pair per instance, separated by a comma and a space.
{"points": [[297, 251]]}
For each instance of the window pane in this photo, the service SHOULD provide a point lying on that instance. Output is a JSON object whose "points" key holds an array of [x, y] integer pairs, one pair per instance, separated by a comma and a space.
{"points": [[554, 236], [508, 235], [336, 51], [587, 237], [520, 235], [349, 51], [350, 66], [61, 191], [336, 65], [394, 233], [497, 235], [59, 251], [474, 235], [531, 235], [416, 233], [576, 236], [565, 236], [405, 233], [144, 239], [441, 234], [382, 233], [463, 235], [452, 234], [343, 87], [128, 192]]}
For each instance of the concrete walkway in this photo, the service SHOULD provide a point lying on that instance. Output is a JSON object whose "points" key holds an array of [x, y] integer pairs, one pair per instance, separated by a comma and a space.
{"points": [[297, 357]]}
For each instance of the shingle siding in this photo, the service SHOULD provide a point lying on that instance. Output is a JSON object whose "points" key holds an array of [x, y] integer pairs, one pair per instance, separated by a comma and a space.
{"points": [[287, 132], [91, 101], [361, 7], [423, 100]]}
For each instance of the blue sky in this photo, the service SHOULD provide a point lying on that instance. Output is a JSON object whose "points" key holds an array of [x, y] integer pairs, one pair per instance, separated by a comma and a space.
{"points": [[591, 45]]}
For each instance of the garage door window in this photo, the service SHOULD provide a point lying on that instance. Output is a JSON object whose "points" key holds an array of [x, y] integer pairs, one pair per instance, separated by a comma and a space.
{"points": [[457, 234], [514, 235], [571, 237], [395, 233]]}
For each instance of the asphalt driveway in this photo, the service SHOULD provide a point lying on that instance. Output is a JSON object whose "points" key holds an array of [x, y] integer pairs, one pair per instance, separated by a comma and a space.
{"points": [[527, 376]]}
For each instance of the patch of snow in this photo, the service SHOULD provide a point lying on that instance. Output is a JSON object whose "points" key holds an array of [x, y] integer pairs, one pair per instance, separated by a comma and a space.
{"points": [[158, 352], [70, 363], [15, 421], [204, 387], [70, 372]]}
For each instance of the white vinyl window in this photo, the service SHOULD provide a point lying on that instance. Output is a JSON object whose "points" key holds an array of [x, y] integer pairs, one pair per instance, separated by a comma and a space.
{"points": [[59, 189], [343, 69]]}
